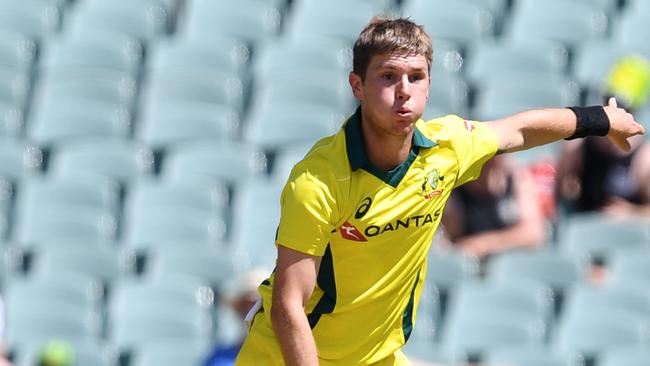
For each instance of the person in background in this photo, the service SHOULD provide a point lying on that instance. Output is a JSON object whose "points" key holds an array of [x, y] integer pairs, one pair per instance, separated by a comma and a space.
{"points": [[57, 353], [4, 351], [593, 174], [240, 298], [499, 211]]}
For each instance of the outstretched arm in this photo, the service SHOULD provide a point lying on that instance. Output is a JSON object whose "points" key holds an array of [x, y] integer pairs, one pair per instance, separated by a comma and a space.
{"points": [[541, 126], [295, 278]]}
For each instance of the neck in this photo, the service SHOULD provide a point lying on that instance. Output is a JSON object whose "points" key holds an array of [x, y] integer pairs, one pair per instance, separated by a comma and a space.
{"points": [[385, 151]]}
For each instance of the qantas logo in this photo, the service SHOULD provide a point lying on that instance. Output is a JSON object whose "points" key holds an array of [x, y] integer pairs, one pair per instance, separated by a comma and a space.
{"points": [[350, 232]]}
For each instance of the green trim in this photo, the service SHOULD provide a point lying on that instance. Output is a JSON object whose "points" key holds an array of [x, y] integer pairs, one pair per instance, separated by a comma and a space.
{"points": [[358, 157], [394, 176], [407, 318], [326, 283]]}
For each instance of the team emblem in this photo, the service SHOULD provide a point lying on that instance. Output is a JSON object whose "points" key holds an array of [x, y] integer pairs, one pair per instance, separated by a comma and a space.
{"points": [[430, 185]]}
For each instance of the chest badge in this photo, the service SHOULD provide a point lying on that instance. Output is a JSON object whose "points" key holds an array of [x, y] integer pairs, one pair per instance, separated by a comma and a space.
{"points": [[430, 185]]}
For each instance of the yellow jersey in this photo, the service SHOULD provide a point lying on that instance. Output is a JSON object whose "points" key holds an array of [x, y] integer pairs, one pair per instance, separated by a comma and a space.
{"points": [[373, 230]]}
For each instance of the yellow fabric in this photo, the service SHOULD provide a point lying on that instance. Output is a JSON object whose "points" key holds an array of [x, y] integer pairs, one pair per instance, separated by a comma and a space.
{"points": [[629, 80], [374, 238]]}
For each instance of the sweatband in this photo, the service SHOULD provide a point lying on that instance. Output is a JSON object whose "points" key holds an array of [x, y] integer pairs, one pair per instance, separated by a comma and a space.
{"points": [[590, 121]]}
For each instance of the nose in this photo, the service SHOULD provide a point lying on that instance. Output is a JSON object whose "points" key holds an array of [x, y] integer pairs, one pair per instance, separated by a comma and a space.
{"points": [[403, 90]]}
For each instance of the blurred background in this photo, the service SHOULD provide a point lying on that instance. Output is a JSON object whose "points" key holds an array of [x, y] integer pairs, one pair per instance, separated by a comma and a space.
{"points": [[144, 145]]}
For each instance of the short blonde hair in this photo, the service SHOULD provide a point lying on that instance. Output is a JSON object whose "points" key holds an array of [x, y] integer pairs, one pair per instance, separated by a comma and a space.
{"points": [[384, 35]]}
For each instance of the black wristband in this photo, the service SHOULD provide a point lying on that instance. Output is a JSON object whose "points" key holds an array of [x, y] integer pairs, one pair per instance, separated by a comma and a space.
{"points": [[591, 121]]}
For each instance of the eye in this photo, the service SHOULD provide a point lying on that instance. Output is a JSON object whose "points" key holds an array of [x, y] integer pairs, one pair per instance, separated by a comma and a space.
{"points": [[416, 77], [389, 76]]}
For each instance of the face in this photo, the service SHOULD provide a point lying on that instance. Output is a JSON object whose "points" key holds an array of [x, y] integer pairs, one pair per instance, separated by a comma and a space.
{"points": [[394, 93]]}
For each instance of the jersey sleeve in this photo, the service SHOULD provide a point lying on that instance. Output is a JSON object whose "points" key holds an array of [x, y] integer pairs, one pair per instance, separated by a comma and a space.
{"points": [[307, 211], [474, 143]]}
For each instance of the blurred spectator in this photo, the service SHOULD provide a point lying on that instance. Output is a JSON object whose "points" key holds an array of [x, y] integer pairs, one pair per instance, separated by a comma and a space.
{"points": [[240, 298], [4, 352], [57, 353], [594, 175], [497, 212]]}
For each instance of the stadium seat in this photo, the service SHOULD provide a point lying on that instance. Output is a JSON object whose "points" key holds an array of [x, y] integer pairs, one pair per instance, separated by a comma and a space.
{"points": [[171, 354], [51, 193], [625, 356], [14, 88], [19, 159], [117, 89], [119, 160], [145, 20], [63, 306], [492, 61], [556, 21], [86, 354], [590, 332], [446, 271], [223, 53], [630, 267], [208, 261], [63, 223], [530, 355], [630, 29], [309, 18], [327, 89], [505, 97], [249, 20], [94, 50], [479, 334], [57, 122], [17, 51], [620, 298], [12, 120], [36, 19], [161, 213], [100, 260], [6, 199], [598, 235], [256, 215], [459, 21], [183, 85], [509, 314], [433, 353], [173, 124], [226, 161], [147, 312], [312, 51], [270, 127], [553, 269]]}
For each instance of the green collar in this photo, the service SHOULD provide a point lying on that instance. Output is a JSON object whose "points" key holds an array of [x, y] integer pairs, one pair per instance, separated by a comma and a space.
{"points": [[358, 157], [356, 148]]}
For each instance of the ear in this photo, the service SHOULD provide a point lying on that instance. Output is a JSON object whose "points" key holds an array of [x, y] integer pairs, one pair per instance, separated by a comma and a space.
{"points": [[357, 86]]}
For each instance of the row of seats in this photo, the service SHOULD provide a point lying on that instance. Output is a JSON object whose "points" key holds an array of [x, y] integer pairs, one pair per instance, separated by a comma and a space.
{"points": [[516, 304], [218, 79]]}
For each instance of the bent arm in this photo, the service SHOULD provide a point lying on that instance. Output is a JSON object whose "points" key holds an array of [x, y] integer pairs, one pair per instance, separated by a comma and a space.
{"points": [[528, 231], [542, 126], [295, 278]]}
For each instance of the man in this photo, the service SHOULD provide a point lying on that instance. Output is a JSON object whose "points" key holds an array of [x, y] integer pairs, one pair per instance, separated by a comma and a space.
{"points": [[359, 211]]}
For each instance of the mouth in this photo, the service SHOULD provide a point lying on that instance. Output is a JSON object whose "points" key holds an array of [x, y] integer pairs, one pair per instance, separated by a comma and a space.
{"points": [[404, 112]]}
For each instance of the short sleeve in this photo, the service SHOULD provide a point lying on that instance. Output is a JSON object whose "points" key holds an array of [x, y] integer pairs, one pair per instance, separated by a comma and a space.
{"points": [[307, 211], [474, 143]]}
